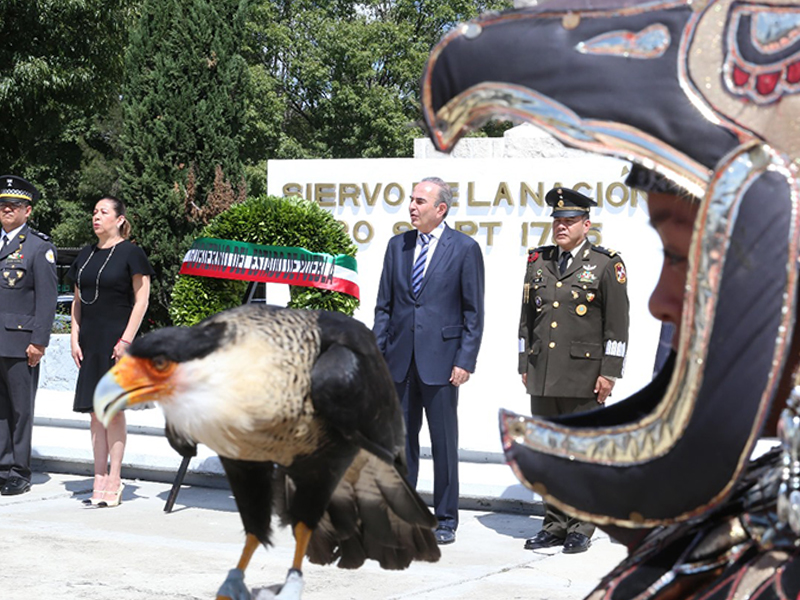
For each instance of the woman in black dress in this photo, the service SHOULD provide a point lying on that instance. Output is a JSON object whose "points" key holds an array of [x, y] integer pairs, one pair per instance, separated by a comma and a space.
{"points": [[112, 287]]}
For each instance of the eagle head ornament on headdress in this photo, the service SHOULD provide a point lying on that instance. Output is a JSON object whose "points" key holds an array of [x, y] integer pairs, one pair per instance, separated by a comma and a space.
{"points": [[705, 96]]}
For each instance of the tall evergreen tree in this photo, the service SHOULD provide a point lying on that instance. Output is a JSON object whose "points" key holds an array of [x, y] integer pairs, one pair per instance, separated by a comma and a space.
{"points": [[183, 104]]}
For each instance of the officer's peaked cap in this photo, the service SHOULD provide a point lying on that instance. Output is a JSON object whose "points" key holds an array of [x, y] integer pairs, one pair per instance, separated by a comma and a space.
{"points": [[17, 189], [568, 203]]}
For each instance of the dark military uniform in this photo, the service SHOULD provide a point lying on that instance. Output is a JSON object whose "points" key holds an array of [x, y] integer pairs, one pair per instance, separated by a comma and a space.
{"points": [[573, 328], [28, 294]]}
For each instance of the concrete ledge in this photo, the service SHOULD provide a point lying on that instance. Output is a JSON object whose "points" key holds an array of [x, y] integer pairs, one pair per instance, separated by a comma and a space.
{"points": [[61, 443]]}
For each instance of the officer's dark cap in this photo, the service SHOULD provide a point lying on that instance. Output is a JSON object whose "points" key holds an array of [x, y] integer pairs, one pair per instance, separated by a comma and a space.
{"points": [[18, 190], [568, 203]]}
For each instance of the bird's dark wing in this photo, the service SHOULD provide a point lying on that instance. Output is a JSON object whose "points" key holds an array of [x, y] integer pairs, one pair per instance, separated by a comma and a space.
{"points": [[251, 484], [373, 512], [352, 390]]}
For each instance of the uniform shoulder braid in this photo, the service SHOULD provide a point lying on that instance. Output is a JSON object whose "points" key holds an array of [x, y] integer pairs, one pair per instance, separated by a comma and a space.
{"points": [[606, 251], [39, 234]]}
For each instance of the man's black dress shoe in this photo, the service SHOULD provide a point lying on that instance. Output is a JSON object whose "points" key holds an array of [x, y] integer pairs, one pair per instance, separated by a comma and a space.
{"points": [[15, 486], [543, 539], [445, 535], [576, 543]]}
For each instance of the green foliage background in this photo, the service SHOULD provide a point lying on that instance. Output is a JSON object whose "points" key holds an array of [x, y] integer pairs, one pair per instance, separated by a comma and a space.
{"points": [[340, 79], [125, 97], [182, 109], [268, 221]]}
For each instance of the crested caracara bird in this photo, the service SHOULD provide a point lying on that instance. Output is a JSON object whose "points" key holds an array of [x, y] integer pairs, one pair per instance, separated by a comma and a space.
{"points": [[303, 413]]}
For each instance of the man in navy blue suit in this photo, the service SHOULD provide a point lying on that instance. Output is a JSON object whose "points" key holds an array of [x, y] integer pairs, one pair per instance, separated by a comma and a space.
{"points": [[429, 324]]}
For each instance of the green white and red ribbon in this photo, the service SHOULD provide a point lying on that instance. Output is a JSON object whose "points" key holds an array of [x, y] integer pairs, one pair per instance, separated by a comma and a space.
{"points": [[226, 259]]}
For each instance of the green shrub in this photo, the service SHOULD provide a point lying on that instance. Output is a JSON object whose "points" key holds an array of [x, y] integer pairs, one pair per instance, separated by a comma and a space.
{"points": [[61, 326], [268, 221], [62, 323]]}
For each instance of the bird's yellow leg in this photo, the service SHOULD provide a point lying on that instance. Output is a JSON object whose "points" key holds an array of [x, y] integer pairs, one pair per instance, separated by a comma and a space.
{"points": [[302, 536], [233, 586], [251, 543]]}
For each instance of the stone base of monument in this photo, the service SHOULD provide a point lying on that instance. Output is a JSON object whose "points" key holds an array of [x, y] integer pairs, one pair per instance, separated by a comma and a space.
{"points": [[61, 443]]}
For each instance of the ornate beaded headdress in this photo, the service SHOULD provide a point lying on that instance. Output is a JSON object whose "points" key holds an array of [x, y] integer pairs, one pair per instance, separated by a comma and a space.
{"points": [[707, 95]]}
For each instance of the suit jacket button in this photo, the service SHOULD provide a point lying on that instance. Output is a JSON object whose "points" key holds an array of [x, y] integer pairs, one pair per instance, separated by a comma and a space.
{"points": [[555, 304], [553, 324], [552, 344], [588, 355], [559, 284]]}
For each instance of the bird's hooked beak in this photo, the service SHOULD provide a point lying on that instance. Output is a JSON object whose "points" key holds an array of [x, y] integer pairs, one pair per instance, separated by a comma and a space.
{"points": [[131, 381]]}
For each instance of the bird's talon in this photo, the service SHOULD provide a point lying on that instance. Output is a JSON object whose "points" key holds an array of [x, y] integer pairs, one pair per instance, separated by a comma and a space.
{"points": [[233, 588], [291, 589]]}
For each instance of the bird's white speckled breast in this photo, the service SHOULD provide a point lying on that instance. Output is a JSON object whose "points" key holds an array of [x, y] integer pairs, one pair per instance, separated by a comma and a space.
{"points": [[266, 413]]}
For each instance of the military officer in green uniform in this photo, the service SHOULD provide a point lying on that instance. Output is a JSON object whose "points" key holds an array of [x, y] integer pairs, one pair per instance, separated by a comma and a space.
{"points": [[573, 335], [28, 294]]}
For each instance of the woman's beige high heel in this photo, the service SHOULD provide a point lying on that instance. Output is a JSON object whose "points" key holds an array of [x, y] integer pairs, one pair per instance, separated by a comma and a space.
{"points": [[111, 499], [97, 498]]}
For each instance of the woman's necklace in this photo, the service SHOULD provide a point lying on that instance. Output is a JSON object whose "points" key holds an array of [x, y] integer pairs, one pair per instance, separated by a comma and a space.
{"points": [[97, 281]]}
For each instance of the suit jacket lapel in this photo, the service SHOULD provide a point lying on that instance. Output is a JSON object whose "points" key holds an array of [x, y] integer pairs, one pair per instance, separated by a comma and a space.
{"points": [[13, 244], [407, 257], [552, 264]]}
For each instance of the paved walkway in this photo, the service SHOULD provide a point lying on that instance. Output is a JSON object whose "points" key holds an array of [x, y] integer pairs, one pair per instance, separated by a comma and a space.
{"points": [[53, 547]]}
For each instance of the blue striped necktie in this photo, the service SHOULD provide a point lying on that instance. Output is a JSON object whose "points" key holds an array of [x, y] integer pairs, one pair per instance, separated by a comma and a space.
{"points": [[419, 265]]}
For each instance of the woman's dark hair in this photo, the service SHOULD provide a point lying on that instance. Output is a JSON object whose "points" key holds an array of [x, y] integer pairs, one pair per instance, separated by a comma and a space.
{"points": [[119, 208]]}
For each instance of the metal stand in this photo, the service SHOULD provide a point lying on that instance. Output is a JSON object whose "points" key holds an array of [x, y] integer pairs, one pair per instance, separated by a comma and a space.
{"points": [[176, 485], [250, 296]]}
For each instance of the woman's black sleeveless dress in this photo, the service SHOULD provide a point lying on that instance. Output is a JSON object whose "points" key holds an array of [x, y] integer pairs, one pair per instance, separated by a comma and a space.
{"points": [[104, 311]]}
